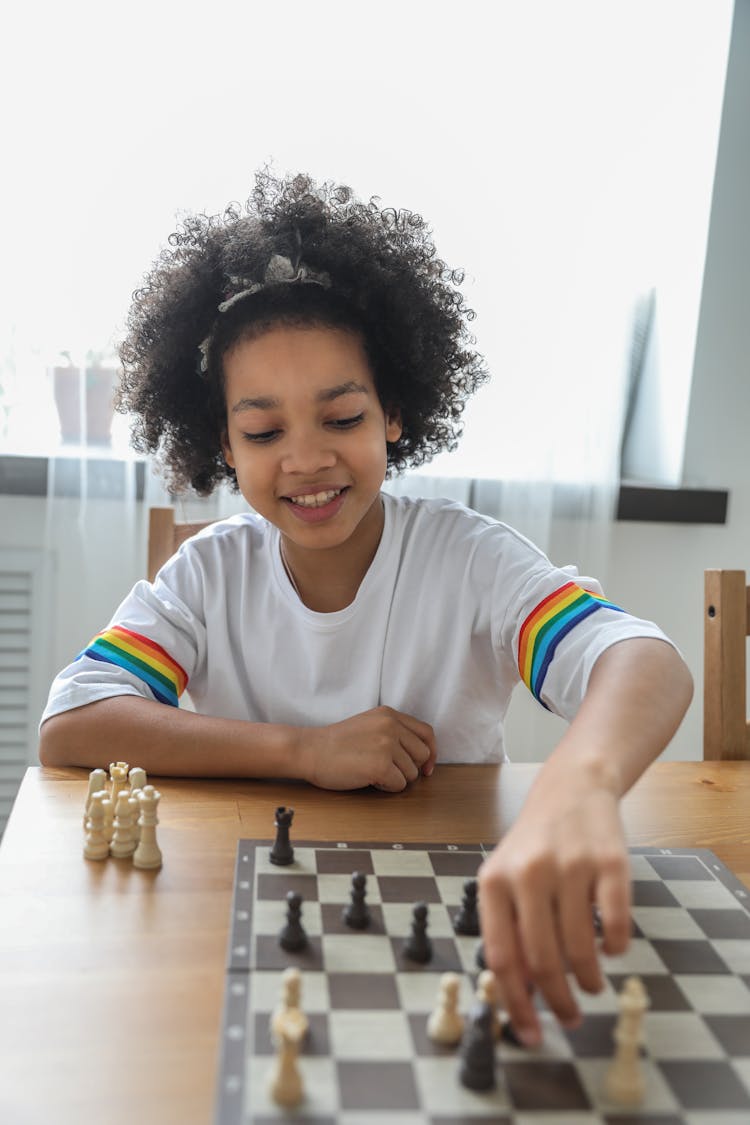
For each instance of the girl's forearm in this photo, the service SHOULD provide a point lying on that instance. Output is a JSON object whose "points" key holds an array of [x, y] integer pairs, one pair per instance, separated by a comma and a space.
{"points": [[169, 742]]}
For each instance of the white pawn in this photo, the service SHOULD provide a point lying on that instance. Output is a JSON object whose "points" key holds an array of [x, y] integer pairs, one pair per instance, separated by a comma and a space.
{"points": [[291, 990], [96, 846], [446, 1024], [285, 1085], [487, 993], [148, 854], [118, 772], [97, 783], [126, 813], [623, 1082]]}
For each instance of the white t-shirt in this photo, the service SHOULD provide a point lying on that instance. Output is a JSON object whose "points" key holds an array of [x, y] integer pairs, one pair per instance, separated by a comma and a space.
{"points": [[454, 610]]}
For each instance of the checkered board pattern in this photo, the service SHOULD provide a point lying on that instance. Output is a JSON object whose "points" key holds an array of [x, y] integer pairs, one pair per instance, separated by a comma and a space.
{"points": [[367, 1059]]}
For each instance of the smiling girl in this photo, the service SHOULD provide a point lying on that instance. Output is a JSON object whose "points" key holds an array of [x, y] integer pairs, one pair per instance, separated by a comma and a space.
{"points": [[303, 348]]}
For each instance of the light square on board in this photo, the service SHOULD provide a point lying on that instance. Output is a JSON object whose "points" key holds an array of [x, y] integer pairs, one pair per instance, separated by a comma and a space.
{"points": [[666, 922], [338, 888], [269, 917], [266, 989], [398, 918], [303, 864], [358, 952], [418, 992], [400, 862], [640, 958], [321, 1091], [735, 954], [442, 1093], [680, 1035], [376, 1034], [702, 894], [658, 1095], [714, 995]]}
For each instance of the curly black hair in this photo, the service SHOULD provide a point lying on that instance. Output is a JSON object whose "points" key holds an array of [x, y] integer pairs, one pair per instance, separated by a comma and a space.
{"points": [[385, 282]]}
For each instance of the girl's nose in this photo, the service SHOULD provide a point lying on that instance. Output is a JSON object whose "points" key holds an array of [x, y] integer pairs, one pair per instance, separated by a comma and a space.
{"points": [[307, 455]]}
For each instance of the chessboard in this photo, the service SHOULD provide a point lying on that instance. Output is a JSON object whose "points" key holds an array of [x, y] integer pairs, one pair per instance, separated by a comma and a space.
{"points": [[367, 1058]]}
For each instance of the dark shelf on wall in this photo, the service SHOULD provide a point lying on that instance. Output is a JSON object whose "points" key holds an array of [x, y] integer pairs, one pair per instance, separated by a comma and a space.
{"points": [[105, 478], [672, 505]]}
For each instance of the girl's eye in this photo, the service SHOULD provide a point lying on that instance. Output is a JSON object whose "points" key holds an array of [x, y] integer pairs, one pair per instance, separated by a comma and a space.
{"points": [[347, 423], [261, 439]]}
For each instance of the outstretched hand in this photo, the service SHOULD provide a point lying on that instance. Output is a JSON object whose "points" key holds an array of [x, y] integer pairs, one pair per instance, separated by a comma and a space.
{"points": [[537, 890], [383, 747]]}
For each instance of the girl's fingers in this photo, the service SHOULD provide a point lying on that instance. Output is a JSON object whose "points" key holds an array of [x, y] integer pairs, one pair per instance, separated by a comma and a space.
{"points": [[577, 931], [540, 939]]}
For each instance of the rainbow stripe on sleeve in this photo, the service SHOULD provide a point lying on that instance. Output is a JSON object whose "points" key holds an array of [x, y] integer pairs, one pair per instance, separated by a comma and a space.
{"points": [[546, 626], [143, 658]]}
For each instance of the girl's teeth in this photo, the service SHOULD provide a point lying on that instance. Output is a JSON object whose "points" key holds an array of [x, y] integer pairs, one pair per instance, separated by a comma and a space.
{"points": [[317, 499]]}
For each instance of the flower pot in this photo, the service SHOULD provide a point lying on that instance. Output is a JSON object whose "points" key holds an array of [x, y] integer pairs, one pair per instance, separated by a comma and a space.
{"points": [[93, 424]]}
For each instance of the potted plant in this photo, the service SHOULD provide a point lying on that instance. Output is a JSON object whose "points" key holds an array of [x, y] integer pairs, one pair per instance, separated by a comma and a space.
{"points": [[84, 400]]}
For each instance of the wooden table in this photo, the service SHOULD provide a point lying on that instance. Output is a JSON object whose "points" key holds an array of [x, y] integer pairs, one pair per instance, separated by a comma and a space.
{"points": [[111, 979]]}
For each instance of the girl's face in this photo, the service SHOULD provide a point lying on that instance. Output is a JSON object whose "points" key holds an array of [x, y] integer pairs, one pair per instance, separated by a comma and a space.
{"points": [[306, 433]]}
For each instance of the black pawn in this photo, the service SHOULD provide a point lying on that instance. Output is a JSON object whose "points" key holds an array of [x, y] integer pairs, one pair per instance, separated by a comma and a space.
{"points": [[356, 913], [418, 946], [479, 957], [282, 852], [477, 1071], [467, 919], [292, 937]]}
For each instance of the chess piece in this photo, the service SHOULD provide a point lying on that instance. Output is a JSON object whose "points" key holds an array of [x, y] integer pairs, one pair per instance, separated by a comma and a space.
{"points": [[292, 937], [96, 845], [479, 956], [137, 778], [446, 1024], [477, 1070], [418, 946], [109, 818], [135, 795], [291, 988], [118, 772], [356, 913], [466, 921], [623, 1082], [126, 813], [97, 783], [148, 854], [282, 852], [285, 1086], [487, 993]]}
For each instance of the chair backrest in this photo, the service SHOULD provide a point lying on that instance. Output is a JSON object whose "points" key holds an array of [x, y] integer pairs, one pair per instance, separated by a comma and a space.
{"points": [[726, 731], [165, 536]]}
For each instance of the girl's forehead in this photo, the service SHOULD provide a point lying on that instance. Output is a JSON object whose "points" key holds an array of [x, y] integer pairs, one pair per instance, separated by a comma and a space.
{"points": [[306, 356]]}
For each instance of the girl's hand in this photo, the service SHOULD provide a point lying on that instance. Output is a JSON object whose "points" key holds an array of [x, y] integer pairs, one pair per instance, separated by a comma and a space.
{"points": [[536, 893], [382, 747]]}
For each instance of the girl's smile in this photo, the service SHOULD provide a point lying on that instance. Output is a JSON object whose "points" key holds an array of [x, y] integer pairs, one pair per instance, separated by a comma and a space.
{"points": [[306, 435]]}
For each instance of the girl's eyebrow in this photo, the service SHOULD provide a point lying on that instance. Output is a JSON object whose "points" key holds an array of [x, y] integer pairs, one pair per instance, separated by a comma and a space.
{"points": [[266, 402]]}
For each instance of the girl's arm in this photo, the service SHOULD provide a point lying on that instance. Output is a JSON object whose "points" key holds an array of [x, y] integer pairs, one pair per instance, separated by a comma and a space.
{"points": [[381, 747], [567, 849]]}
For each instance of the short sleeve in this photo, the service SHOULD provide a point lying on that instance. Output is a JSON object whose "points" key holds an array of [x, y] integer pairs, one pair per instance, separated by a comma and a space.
{"points": [[556, 623], [151, 648]]}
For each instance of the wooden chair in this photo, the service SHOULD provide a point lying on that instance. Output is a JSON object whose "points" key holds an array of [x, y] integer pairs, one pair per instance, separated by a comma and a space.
{"points": [[165, 536], [726, 731]]}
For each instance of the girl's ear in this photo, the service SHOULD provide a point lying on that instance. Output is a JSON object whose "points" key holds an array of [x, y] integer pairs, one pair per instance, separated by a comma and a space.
{"points": [[393, 425], [226, 449]]}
